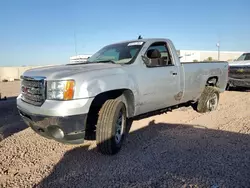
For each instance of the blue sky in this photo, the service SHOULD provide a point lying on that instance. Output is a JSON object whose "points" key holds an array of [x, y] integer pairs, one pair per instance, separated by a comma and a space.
{"points": [[42, 32]]}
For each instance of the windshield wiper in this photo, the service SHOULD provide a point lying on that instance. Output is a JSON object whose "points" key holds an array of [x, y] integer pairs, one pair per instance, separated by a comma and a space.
{"points": [[105, 61]]}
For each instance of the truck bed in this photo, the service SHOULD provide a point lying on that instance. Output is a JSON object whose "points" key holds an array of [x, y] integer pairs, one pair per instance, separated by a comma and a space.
{"points": [[196, 74], [191, 62]]}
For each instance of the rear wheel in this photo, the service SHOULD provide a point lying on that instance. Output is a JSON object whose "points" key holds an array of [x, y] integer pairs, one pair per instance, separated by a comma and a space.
{"points": [[208, 100], [111, 126]]}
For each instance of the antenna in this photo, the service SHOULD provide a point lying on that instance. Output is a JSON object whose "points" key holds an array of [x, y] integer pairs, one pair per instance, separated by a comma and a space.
{"points": [[75, 42]]}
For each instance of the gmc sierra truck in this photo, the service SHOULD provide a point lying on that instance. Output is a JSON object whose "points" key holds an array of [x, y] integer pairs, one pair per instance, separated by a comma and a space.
{"points": [[119, 83], [239, 72]]}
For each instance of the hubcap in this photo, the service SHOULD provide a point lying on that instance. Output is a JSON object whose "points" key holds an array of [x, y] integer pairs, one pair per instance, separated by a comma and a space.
{"points": [[119, 127], [212, 102]]}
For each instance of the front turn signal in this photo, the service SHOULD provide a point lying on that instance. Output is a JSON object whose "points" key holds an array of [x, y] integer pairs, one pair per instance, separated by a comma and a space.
{"points": [[69, 90]]}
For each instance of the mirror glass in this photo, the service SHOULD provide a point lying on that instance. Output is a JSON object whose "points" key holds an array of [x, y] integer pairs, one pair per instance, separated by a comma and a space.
{"points": [[145, 60]]}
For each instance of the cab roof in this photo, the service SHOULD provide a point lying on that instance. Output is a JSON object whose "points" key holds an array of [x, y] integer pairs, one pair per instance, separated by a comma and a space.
{"points": [[143, 40]]}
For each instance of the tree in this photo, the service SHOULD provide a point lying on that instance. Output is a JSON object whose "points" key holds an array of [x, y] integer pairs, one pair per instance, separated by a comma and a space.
{"points": [[195, 60], [209, 59]]}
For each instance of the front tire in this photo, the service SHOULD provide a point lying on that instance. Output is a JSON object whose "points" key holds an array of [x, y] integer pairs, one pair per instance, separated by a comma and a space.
{"points": [[208, 100], [111, 127]]}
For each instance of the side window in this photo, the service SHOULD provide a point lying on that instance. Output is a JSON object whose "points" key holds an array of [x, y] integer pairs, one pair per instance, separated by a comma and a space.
{"points": [[247, 57], [159, 55]]}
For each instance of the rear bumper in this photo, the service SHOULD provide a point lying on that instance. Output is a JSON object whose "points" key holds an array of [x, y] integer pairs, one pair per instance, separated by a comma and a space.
{"points": [[233, 82], [67, 129]]}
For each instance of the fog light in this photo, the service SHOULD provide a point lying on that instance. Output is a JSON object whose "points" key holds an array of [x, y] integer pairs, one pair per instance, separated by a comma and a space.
{"points": [[56, 132]]}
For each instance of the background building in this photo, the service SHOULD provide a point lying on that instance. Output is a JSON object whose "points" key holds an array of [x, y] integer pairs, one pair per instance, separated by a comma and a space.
{"points": [[79, 58], [11, 73], [192, 55], [187, 56]]}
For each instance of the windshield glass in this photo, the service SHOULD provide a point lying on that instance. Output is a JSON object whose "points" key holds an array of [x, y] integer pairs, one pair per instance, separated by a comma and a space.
{"points": [[121, 53], [244, 57]]}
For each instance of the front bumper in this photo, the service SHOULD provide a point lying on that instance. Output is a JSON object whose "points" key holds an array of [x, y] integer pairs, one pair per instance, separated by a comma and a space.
{"points": [[63, 121], [67, 129], [56, 108], [233, 82]]}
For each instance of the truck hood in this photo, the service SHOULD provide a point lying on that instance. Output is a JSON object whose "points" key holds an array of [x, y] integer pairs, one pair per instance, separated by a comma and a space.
{"points": [[239, 63], [67, 71]]}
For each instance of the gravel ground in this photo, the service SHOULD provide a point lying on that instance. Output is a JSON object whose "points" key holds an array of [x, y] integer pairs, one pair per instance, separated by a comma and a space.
{"points": [[178, 149]]}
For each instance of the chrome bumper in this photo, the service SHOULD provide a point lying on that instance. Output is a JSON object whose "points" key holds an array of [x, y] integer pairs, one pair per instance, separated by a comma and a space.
{"points": [[56, 108], [233, 82]]}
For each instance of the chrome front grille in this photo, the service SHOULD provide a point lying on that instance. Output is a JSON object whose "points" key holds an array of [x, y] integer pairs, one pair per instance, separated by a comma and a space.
{"points": [[240, 72], [33, 90]]}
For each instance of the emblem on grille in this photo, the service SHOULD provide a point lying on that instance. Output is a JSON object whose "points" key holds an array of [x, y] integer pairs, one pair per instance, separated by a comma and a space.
{"points": [[25, 89], [240, 70]]}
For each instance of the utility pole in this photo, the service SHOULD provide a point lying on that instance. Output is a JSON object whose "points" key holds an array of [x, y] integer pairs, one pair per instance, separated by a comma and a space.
{"points": [[218, 46]]}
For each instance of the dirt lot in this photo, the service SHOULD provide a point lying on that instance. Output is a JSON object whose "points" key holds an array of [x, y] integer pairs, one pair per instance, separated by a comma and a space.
{"points": [[178, 149], [9, 89]]}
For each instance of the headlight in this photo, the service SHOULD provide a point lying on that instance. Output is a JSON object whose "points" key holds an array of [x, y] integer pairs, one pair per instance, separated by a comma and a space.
{"points": [[60, 90]]}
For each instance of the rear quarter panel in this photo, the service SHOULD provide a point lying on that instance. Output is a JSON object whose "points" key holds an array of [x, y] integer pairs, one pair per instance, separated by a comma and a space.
{"points": [[197, 74]]}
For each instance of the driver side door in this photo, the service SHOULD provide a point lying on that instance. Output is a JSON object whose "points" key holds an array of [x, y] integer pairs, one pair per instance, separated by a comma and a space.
{"points": [[160, 83]]}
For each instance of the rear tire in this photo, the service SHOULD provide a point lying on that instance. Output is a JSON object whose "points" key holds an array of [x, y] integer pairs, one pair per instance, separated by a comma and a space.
{"points": [[208, 100], [111, 126]]}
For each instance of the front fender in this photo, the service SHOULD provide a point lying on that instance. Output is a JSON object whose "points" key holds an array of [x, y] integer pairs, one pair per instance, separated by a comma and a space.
{"points": [[93, 87]]}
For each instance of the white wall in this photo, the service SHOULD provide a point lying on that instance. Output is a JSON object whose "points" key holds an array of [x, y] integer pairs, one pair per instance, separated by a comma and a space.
{"points": [[11, 73], [79, 58], [224, 56], [190, 55]]}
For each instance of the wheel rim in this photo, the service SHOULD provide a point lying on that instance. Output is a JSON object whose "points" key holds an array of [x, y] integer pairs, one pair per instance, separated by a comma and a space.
{"points": [[212, 103], [119, 127]]}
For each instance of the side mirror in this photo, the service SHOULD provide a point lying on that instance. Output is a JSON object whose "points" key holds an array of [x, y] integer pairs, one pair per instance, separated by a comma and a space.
{"points": [[180, 57], [145, 60]]}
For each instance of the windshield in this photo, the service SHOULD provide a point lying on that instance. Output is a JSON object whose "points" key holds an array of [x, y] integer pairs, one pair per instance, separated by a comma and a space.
{"points": [[244, 57], [121, 53]]}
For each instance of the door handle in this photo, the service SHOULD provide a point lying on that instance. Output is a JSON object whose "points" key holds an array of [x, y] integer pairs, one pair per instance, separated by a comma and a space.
{"points": [[173, 73]]}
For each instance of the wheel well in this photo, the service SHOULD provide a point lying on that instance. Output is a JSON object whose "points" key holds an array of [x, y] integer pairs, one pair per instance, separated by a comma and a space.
{"points": [[126, 94], [212, 81]]}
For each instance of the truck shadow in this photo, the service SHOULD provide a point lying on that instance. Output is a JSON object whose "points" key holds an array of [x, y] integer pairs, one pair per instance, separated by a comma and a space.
{"points": [[10, 120], [239, 89], [173, 155]]}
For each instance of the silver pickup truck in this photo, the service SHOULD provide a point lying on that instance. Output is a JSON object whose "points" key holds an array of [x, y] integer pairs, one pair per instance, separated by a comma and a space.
{"points": [[121, 82]]}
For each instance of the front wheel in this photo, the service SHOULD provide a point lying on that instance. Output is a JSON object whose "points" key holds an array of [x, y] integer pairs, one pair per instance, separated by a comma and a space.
{"points": [[111, 126], [208, 101]]}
